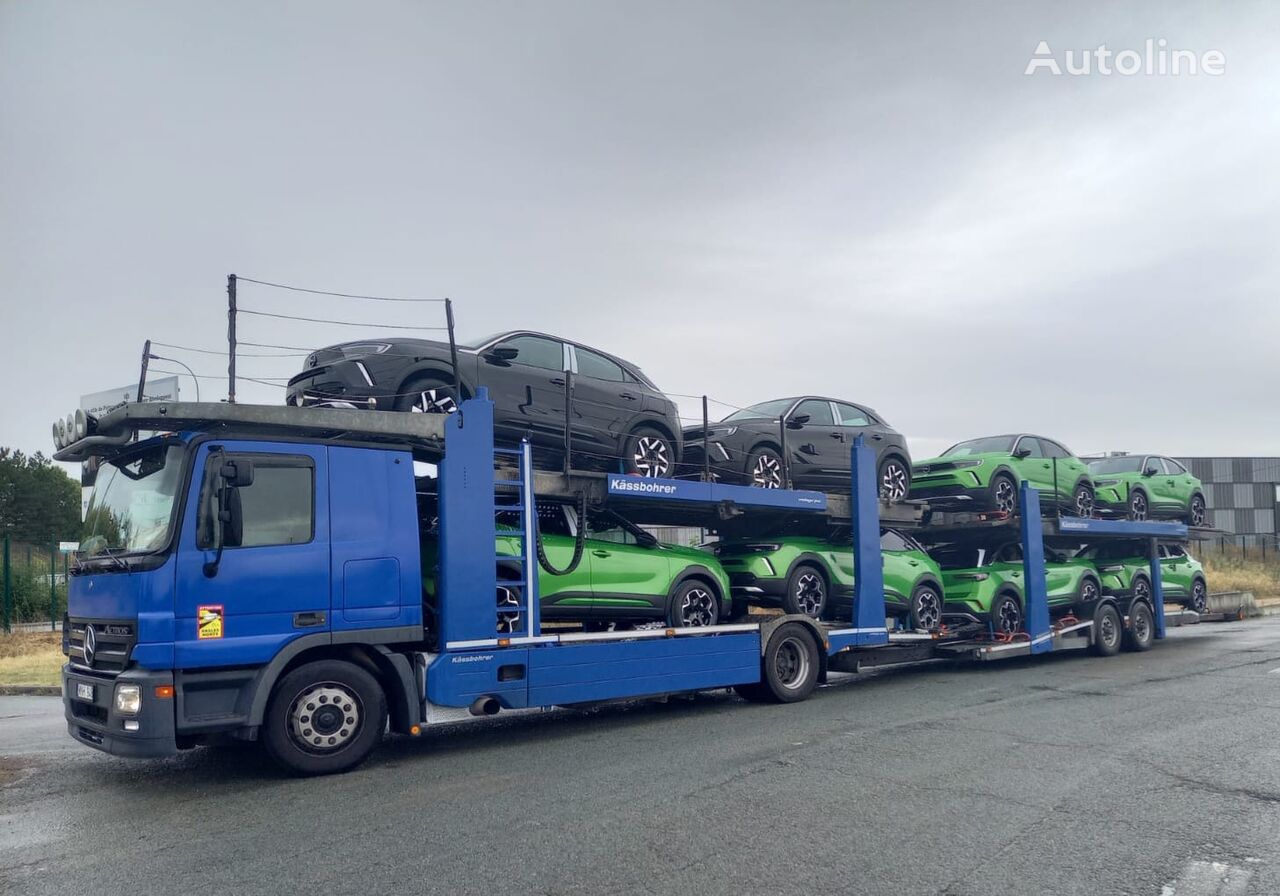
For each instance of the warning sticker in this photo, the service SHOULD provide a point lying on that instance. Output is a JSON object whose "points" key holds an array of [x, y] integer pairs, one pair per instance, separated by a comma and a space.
{"points": [[209, 622]]}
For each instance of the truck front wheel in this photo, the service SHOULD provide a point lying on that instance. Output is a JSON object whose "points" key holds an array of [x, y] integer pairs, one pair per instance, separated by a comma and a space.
{"points": [[324, 717]]}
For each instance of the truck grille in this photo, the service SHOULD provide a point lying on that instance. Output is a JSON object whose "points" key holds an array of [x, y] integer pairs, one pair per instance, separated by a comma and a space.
{"points": [[112, 643]]}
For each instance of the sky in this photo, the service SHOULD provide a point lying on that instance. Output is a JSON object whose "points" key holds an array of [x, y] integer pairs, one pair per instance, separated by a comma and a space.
{"points": [[871, 201]]}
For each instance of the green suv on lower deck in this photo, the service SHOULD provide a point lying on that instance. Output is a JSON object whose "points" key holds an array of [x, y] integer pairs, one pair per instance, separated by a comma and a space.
{"points": [[624, 574], [984, 474], [1148, 486], [1126, 572], [814, 576], [987, 583]]}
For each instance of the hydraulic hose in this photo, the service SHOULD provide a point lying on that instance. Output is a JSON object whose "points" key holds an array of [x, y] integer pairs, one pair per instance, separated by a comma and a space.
{"points": [[579, 541]]}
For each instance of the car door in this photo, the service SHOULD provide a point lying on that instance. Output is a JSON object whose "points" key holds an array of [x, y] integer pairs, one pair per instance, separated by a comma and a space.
{"points": [[276, 584], [1035, 467], [528, 390], [902, 566], [1064, 469], [604, 402], [1174, 491], [853, 422], [625, 575], [819, 451], [1183, 483], [1175, 570]]}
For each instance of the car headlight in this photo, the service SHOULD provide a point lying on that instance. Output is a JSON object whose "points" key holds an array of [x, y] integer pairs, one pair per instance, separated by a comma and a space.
{"points": [[360, 349], [1106, 482], [128, 699], [961, 464]]}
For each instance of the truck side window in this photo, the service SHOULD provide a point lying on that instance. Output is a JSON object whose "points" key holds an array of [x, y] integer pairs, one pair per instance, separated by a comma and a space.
{"points": [[278, 508]]}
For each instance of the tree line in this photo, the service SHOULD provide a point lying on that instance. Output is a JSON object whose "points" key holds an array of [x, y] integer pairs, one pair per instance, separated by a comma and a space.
{"points": [[39, 502]]}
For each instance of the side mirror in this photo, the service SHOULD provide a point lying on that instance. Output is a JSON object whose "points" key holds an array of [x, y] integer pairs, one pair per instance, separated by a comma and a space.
{"points": [[502, 355], [237, 473], [646, 539], [797, 421], [1150, 471], [1022, 452]]}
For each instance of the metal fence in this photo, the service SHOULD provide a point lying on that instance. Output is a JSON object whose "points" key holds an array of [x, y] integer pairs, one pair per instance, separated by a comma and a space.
{"points": [[33, 585]]}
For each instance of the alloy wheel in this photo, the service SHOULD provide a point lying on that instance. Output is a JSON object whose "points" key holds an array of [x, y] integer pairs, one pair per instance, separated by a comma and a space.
{"points": [[324, 718], [1141, 589], [698, 608], [1197, 514], [1199, 598], [1006, 495], [767, 472], [1009, 619], [894, 482], [433, 401], [1138, 506], [652, 457], [810, 594], [928, 609], [1088, 591], [1084, 502]]}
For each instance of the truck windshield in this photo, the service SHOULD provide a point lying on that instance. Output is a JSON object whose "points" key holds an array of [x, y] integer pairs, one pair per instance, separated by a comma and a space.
{"points": [[131, 509]]}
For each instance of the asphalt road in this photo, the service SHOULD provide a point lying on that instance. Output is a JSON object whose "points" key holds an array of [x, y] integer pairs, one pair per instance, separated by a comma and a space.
{"points": [[1145, 773]]}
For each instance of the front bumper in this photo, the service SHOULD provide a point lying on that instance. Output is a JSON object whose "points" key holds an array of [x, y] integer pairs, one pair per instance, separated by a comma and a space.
{"points": [[342, 384], [950, 493], [95, 722]]}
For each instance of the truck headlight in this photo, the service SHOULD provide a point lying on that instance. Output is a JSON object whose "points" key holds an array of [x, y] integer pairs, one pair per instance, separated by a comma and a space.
{"points": [[128, 699]]}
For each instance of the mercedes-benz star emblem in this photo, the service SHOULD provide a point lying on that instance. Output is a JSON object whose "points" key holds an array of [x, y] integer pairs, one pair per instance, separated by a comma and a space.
{"points": [[90, 644]]}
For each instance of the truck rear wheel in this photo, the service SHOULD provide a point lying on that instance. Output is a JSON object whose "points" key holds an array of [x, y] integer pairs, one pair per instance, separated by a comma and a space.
{"points": [[1106, 631], [324, 717], [1142, 627], [790, 664]]}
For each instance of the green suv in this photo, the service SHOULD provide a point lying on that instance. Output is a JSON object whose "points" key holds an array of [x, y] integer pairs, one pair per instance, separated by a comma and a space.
{"points": [[985, 473], [814, 576], [624, 575], [986, 583], [1148, 486], [1126, 572]]}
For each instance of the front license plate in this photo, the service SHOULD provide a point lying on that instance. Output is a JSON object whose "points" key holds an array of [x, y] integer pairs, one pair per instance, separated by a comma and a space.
{"points": [[84, 691]]}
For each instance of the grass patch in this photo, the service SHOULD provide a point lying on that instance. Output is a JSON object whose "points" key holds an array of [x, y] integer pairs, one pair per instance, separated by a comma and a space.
{"points": [[1227, 573], [31, 659]]}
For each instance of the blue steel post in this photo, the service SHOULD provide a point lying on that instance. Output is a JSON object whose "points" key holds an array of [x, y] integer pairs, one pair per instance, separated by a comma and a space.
{"points": [[1157, 588], [533, 609], [1035, 594], [468, 571], [868, 586]]}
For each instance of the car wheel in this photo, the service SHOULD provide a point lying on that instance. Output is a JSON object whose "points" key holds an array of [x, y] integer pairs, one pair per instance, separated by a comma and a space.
{"points": [[1196, 511], [1088, 592], [764, 468], [650, 454], [790, 663], [1141, 588], [1082, 501], [427, 395], [324, 717], [1199, 597], [1138, 506], [1006, 614], [926, 608], [1106, 631], [694, 604], [895, 480], [1004, 493], [806, 592], [1142, 627]]}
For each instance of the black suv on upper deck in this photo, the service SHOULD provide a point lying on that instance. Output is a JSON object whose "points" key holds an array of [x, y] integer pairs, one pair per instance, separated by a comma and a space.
{"points": [[618, 413]]}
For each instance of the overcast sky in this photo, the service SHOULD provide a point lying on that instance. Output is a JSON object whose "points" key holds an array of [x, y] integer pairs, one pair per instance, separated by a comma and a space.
{"points": [[748, 200]]}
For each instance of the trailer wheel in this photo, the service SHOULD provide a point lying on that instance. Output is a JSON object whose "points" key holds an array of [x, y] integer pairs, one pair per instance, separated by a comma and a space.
{"points": [[790, 664], [324, 717], [1142, 627], [1106, 631]]}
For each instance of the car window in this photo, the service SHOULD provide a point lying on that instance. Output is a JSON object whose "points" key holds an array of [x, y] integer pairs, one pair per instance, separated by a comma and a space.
{"points": [[277, 508], [892, 541], [1173, 467], [819, 412], [1175, 551], [1029, 443], [606, 529], [598, 366], [851, 416], [537, 351], [1008, 553], [1052, 449]]}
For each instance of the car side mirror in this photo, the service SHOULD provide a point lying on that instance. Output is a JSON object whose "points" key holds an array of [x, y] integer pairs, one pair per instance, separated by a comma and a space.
{"points": [[646, 539], [502, 355], [1022, 452], [1150, 471], [797, 421]]}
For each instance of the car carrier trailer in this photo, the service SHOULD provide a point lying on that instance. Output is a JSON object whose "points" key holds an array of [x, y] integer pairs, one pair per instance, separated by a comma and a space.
{"points": [[315, 645]]}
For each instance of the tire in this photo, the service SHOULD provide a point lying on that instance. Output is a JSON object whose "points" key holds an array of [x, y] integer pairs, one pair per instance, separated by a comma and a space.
{"points": [[693, 604], [1139, 505], [1142, 627], [303, 701], [1199, 599], [1107, 631], [1196, 512], [1140, 588], [1004, 493], [427, 395], [790, 664], [894, 476], [649, 453], [926, 608], [1082, 500], [1006, 614], [806, 592], [764, 468], [1088, 592]]}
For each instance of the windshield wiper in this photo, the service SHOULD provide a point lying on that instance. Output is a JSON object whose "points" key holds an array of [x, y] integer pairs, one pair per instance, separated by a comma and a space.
{"points": [[110, 554]]}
